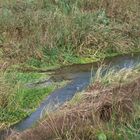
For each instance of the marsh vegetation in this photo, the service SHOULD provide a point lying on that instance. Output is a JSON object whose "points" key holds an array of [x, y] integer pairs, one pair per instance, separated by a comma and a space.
{"points": [[39, 35]]}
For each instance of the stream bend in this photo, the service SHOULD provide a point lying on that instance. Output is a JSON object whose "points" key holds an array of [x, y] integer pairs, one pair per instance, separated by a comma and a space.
{"points": [[80, 76]]}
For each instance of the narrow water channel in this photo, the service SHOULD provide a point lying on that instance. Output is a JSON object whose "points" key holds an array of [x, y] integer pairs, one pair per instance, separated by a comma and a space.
{"points": [[79, 76]]}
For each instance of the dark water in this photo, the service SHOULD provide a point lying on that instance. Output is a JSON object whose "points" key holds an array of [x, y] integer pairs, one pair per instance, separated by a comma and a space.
{"points": [[80, 76]]}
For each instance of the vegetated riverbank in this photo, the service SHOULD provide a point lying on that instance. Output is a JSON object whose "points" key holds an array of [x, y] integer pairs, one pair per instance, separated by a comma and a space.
{"points": [[43, 33], [17, 100], [80, 76], [46, 33], [40, 34], [109, 109], [27, 97]]}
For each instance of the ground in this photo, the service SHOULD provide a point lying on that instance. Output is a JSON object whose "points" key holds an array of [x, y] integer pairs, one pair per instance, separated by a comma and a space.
{"points": [[39, 35]]}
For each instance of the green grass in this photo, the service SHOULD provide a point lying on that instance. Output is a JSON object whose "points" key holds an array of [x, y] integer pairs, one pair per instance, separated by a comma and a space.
{"points": [[26, 77], [20, 101], [24, 102], [50, 33]]}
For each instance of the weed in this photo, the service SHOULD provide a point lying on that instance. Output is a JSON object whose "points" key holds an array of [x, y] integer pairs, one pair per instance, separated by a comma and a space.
{"points": [[46, 32]]}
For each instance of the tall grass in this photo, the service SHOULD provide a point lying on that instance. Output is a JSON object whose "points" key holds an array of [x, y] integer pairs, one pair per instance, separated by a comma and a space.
{"points": [[17, 101], [5, 91], [62, 31], [113, 77], [113, 114], [47, 32]]}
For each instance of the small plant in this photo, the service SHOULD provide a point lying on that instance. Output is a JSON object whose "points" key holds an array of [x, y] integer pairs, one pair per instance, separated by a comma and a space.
{"points": [[102, 136]]}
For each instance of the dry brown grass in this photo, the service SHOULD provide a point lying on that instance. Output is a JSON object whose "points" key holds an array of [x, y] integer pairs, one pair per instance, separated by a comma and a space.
{"points": [[5, 91], [117, 9], [82, 120], [28, 28]]}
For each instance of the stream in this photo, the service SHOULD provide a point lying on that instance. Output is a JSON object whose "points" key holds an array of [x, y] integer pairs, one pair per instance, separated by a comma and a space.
{"points": [[80, 77]]}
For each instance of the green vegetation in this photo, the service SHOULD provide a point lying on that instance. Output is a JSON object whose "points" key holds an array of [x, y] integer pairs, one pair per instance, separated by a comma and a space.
{"points": [[16, 100], [81, 118], [113, 77], [24, 102], [49, 33]]}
